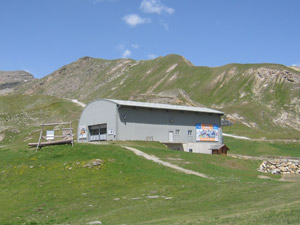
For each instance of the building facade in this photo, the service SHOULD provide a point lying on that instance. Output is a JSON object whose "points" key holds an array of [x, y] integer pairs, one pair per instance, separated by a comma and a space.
{"points": [[181, 127]]}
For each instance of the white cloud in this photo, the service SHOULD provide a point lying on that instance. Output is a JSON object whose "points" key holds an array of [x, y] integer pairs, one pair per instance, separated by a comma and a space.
{"points": [[135, 46], [120, 47], [166, 26], [152, 56], [155, 6], [126, 53], [134, 19], [296, 64]]}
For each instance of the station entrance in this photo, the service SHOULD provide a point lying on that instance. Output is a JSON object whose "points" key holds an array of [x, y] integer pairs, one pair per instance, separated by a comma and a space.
{"points": [[98, 132]]}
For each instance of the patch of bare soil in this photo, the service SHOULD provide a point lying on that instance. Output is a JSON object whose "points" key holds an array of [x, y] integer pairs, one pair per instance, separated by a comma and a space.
{"points": [[290, 177]]}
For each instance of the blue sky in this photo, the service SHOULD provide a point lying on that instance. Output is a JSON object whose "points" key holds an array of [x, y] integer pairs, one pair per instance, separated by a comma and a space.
{"points": [[42, 35]]}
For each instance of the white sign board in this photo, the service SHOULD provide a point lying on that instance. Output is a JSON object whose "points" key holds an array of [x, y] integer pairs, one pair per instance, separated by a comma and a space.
{"points": [[50, 134]]}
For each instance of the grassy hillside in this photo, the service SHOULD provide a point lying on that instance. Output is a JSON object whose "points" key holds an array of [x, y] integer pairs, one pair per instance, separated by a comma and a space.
{"points": [[260, 148], [9, 80], [262, 99], [21, 116], [52, 187]]}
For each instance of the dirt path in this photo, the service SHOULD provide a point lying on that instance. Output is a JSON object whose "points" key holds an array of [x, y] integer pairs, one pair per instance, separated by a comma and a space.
{"points": [[261, 139], [262, 158], [76, 102], [236, 136], [159, 161]]}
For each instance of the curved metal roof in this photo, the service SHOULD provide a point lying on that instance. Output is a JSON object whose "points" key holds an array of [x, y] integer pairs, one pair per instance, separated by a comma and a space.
{"points": [[164, 106]]}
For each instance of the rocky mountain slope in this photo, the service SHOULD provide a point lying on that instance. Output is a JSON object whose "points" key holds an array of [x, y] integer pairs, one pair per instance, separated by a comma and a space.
{"points": [[9, 80], [263, 97], [263, 100], [296, 68]]}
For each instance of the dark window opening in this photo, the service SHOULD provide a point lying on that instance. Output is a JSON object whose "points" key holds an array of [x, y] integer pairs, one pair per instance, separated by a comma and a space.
{"points": [[98, 132]]}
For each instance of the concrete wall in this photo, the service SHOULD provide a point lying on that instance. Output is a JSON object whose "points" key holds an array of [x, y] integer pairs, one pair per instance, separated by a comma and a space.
{"points": [[143, 124], [199, 147], [99, 112]]}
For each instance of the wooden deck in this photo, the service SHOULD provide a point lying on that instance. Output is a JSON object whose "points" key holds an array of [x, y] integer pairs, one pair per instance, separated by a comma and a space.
{"points": [[64, 137], [41, 144]]}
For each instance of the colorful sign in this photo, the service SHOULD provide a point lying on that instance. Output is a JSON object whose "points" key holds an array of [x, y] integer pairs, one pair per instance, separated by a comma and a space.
{"points": [[207, 132], [82, 132]]}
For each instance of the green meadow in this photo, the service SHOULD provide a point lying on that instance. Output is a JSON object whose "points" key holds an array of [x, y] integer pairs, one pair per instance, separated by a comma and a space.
{"points": [[263, 148], [52, 186]]}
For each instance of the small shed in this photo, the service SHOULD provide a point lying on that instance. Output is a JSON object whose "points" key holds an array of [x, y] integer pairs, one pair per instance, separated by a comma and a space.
{"points": [[219, 149]]}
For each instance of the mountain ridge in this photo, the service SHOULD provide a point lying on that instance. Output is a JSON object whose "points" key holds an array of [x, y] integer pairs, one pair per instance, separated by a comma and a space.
{"points": [[9, 80], [260, 97]]}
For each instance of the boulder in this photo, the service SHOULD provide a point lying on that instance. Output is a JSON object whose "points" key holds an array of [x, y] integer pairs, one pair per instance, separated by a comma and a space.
{"points": [[283, 169], [94, 222], [272, 167], [275, 171], [293, 168], [280, 167], [93, 163]]}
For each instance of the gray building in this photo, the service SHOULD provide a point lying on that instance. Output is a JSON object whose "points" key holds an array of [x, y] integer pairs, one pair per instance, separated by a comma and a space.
{"points": [[187, 128]]}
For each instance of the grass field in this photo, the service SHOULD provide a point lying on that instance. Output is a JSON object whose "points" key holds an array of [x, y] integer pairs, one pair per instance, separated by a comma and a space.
{"points": [[260, 148], [52, 187], [21, 116]]}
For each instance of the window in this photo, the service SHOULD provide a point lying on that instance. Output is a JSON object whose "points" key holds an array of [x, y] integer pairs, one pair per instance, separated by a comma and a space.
{"points": [[103, 130], [94, 130], [190, 132], [177, 132]]}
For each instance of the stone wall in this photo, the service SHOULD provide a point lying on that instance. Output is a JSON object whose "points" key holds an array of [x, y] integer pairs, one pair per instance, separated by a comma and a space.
{"points": [[280, 167]]}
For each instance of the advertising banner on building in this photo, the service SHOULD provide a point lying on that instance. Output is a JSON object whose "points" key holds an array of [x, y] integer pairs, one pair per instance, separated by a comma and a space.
{"points": [[207, 132], [82, 132]]}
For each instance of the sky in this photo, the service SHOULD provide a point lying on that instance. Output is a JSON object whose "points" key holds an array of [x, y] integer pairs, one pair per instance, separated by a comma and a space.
{"points": [[40, 36]]}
